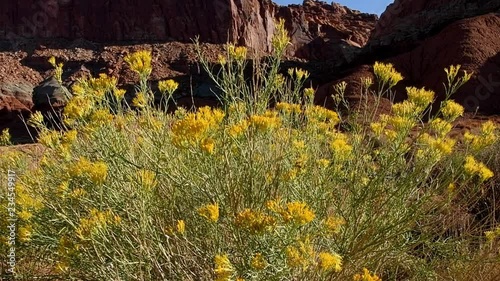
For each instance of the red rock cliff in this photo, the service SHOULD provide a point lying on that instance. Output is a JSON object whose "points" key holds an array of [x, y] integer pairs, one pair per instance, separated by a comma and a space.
{"points": [[246, 22]]}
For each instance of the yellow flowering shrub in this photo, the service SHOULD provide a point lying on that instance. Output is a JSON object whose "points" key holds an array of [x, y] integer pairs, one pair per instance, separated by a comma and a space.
{"points": [[329, 262], [297, 212], [265, 122], [168, 86], [224, 270], [451, 110], [254, 221], [420, 97], [268, 186], [195, 127], [366, 276], [333, 224], [474, 168], [5, 137], [140, 62], [387, 74], [210, 212], [258, 262], [95, 171], [94, 221], [486, 137]]}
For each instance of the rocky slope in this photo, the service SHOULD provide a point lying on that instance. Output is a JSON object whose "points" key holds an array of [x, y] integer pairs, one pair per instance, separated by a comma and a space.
{"points": [[422, 37]]}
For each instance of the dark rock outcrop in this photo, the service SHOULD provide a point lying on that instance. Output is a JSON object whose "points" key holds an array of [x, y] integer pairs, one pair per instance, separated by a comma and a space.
{"points": [[316, 26], [405, 23], [49, 95], [420, 38]]}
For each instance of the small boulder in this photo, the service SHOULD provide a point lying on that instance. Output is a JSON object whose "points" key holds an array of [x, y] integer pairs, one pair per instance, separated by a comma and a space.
{"points": [[49, 95]]}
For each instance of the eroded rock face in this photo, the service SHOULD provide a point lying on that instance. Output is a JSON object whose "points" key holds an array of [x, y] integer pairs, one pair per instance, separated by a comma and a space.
{"points": [[245, 22], [406, 22], [322, 31], [422, 37]]}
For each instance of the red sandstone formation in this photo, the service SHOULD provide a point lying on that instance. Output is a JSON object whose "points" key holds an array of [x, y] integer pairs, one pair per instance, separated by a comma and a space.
{"points": [[245, 22], [422, 37]]}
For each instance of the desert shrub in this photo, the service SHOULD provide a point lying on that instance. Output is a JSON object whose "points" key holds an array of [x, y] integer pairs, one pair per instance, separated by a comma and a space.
{"points": [[248, 191]]}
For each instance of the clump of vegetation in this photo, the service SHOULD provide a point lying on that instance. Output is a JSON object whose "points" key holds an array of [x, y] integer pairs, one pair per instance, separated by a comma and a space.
{"points": [[250, 191]]}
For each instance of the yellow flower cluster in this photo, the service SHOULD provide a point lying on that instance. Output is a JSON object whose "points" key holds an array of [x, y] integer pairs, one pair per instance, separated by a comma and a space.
{"points": [[298, 73], [36, 120], [322, 114], [451, 110], [195, 126], [366, 82], [67, 248], [254, 221], [140, 100], [323, 163], [258, 262], [58, 69], [420, 97], [119, 93], [300, 256], [295, 212], [288, 108], [152, 122], [208, 145], [473, 168], [102, 85], [95, 221], [25, 232], [451, 74], [280, 38], [309, 93], [328, 262], [400, 124], [77, 108], [386, 74], [239, 129], [333, 224], [377, 128], [221, 59], [366, 276], [435, 148], [405, 109], [210, 212], [100, 117], [181, 226], [224, 270], [146, 178], [96, 172], [95, 89], [26, 199], [168, 86], [24, 215], [341, 149], [54, 139], [265, 122], [140, 62], [492, 234], [237, 53], [452, 71], [440, 127], [484, 139], [5, 138]]}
